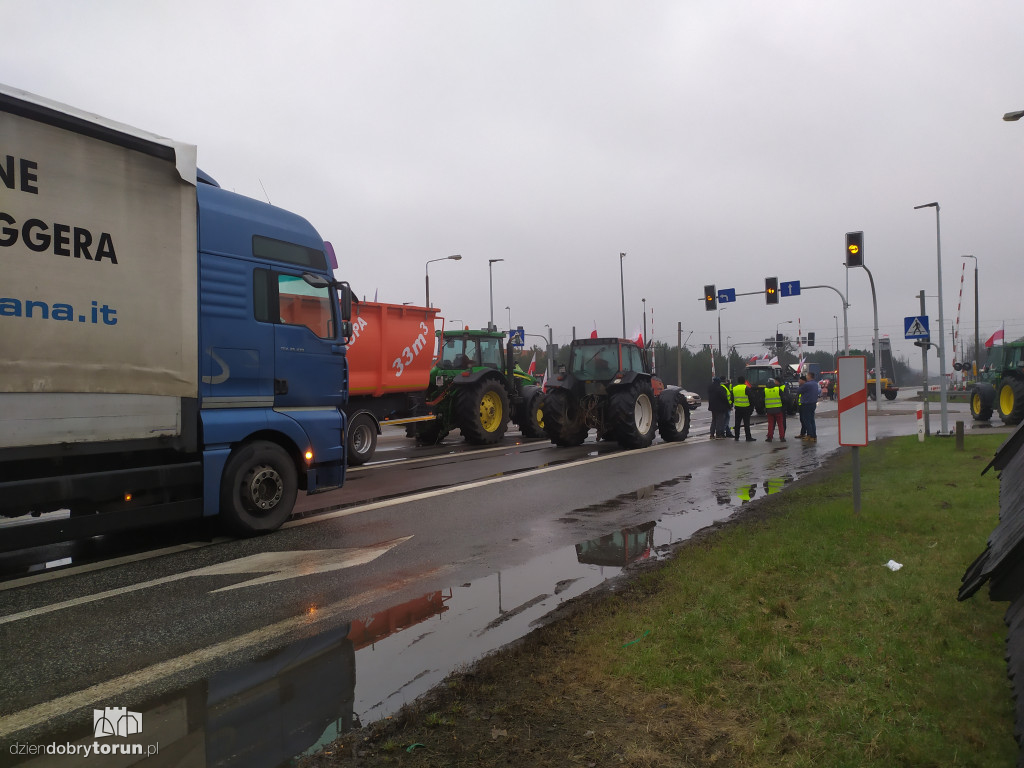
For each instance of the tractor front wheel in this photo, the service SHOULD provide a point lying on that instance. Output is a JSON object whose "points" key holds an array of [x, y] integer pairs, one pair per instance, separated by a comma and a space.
{"points": [[631, 415], [1011, 401], [673, 416], [563, 419], [982, 396], [531, 412], [482, 412]]}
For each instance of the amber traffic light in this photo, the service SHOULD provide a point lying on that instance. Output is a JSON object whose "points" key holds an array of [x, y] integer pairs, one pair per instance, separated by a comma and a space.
{"points": [[771, 290], [710, 298], [855, 249]]}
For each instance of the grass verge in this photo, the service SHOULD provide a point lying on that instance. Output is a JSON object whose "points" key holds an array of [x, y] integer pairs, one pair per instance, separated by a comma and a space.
{"points": [[780, 639]]}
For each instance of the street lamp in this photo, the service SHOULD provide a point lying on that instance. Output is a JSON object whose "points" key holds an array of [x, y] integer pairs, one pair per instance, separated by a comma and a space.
{"points": [[645, 320], [490, 280], [509, 317], [778, 348], [835, 357], [942, 321], [456, 257], [1012, 117], [977, 346], [622, 287]]}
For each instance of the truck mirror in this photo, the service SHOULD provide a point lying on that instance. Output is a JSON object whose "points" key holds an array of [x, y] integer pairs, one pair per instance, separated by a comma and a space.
{"points": [[345, 297], [346, 329], [317, 281]]}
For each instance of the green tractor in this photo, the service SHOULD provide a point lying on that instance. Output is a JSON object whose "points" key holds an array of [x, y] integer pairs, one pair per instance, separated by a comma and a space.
{"points": [[609, 387], [1000, 385], [477, 388]]}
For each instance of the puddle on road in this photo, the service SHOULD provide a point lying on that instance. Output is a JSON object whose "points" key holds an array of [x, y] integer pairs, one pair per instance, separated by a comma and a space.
{"points": [[298, 699]]}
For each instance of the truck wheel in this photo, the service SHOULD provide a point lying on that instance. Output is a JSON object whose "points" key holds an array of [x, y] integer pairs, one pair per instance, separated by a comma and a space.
{"points": [[362, 440], [982, 397], [631, 413], [563, 419], [482, 412], [890, 394], [258, 489], [1011, 401], [531, 413], [673, 416]]}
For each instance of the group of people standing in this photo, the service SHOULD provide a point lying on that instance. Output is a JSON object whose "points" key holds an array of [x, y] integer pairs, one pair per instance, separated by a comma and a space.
{"points": [[723, 396]]}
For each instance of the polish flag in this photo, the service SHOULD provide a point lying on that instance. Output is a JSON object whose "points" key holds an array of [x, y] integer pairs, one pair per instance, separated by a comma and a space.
{"points": [[767, 356], [997, 336], [593, 333], [640, 338], [755, 358], [544, 383], [533, 365], [773, 361]]}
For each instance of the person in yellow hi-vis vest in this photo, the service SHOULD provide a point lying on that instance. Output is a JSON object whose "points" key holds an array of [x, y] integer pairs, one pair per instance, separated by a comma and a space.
{"points": [[773, 406], [741, 402]]}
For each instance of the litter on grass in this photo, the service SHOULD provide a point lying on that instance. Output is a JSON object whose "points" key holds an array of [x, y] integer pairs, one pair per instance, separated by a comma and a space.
{"points": [[892, 565]]}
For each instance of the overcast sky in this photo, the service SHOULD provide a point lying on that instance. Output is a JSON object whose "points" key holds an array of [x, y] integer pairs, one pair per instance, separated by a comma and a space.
{"points": [[712, 142]]}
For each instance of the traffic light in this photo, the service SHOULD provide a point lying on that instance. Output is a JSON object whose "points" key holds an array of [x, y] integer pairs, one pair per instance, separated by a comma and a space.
{"points": [[710, 298], [855, 249], [771, 290], [779, 340], [810, 338]]}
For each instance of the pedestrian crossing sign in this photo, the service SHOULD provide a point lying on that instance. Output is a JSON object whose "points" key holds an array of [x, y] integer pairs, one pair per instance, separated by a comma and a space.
{"points": [[915, 327]]}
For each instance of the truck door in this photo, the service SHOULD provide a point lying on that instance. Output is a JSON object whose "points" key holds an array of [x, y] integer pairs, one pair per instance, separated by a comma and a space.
{"points": [[309, 361]]}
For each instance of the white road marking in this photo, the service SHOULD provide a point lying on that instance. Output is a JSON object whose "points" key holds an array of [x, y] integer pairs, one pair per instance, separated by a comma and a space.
{"points": [[277, 566]]}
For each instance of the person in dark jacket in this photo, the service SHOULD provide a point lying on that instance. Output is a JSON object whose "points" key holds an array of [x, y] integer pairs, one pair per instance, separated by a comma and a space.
{"points": [[809, 393], [719, 405]]}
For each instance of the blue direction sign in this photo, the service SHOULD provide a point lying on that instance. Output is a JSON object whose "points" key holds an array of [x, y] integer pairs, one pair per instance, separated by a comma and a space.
{"points": [[725, 295], [915, 327], [791, 288]]}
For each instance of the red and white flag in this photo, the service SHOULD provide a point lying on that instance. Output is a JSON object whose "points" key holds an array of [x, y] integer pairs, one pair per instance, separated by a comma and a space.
{"points": [[544, 383], [997, 336], [593, 333], [773, 361], [533, 365]]}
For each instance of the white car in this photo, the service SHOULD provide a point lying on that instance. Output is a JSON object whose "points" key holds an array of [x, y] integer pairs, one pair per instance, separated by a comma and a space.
{"points": [[692, 399]]}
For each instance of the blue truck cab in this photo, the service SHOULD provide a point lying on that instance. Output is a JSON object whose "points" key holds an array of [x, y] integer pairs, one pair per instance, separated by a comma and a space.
{"points": [[273, 373]]}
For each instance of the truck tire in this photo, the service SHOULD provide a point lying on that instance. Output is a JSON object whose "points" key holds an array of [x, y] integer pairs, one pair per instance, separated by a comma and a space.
{"points": [[531, 412], [982, 397], [1011, 401], [631, 414], [563, 419], [482, 412], [756, 397], [258, 488], [362, 440], [890, 394], [673, 416]]}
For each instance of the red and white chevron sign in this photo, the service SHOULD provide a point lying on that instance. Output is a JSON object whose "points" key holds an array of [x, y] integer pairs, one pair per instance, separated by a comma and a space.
{"points": [[853, 400]]}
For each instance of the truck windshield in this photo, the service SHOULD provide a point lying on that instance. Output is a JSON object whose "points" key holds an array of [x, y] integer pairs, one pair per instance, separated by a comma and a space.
{"points": [[594, 362]]}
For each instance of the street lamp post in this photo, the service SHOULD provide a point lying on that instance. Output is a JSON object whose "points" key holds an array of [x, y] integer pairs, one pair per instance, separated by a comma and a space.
{"points": [[456, 257], [835, 357], [490, 282], [509, 317], [942, 322], [622, 288], [977, 339], [645, 320]]}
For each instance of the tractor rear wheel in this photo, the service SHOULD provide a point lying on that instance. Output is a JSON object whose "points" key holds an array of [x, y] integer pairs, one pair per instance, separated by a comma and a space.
{"points": [[482, 412], [673, 416], [631, 415], [982, 396], [563, 419], [1011, 401], [531, 415]]}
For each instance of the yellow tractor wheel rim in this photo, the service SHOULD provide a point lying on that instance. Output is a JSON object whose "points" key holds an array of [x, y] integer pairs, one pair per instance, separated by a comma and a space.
{"points": [[1006, 399], [490, 411], [976, 403], [540, 418]]}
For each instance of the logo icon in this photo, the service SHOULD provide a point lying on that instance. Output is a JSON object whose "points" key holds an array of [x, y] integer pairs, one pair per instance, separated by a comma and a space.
{"points": [[115, 721]]}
